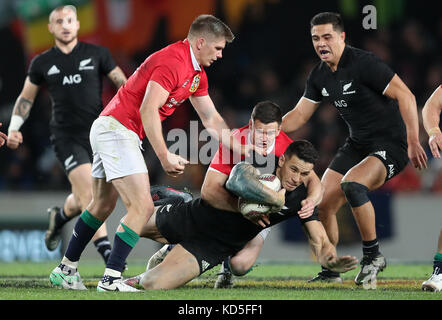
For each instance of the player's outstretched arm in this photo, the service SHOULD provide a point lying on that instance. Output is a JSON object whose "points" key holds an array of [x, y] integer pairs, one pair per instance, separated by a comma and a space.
{"points": [[243, 182], [217, 127], [20, 113], [299, 115], [315, 192], [398, 91], [431, 117], [325, 251]]}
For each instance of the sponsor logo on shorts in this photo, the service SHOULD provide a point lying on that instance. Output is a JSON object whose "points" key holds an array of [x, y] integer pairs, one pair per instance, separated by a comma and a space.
{"points": [[382, 154], [68, 162], [167, 206], [390, 170], [204, 265]]}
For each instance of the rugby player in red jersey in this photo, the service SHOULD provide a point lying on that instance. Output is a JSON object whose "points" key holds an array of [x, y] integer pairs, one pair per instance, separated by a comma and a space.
{"points": [[160, 84]]}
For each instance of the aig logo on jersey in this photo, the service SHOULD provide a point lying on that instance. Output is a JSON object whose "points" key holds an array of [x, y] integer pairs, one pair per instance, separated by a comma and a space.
{"points": [[195, 83], [71, 79]]}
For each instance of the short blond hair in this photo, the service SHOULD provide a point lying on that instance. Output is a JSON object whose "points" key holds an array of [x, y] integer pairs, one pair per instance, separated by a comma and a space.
{"points": [[60, 8], [208, 25]]}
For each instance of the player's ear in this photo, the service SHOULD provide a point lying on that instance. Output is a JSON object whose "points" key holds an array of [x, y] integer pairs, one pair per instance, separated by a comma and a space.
{"points": [[342, 35], [281, 161], [200, 43]]}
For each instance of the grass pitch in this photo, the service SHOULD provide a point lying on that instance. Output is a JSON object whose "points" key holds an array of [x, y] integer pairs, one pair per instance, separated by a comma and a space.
{"points": [[30, 281]]}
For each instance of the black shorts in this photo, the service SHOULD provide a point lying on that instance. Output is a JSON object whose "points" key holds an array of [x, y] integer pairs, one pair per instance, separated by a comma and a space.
{"points": [[394, 156], [175, 223], [71, 151]]}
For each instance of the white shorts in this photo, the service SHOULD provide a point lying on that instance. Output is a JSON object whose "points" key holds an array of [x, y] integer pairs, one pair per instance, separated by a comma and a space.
{"points": [[116, 150]]}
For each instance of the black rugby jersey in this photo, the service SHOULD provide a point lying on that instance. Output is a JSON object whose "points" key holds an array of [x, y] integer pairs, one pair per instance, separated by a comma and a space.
{"points": [[356, 89], [231, 228], [74, 81]]}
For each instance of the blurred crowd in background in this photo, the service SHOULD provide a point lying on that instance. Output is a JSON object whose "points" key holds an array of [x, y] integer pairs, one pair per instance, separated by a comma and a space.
{"points": [[269, 60]]}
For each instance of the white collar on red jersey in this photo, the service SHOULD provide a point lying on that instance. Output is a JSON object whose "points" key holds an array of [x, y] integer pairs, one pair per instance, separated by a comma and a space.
{"points": [[195, 64]]}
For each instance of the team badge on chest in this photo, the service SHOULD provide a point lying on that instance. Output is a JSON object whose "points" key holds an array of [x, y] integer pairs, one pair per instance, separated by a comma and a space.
{"points": [[195, 83]]}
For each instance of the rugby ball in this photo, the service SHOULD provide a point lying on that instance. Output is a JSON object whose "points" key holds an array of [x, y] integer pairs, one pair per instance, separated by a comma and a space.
{"points": [[252, 209]]}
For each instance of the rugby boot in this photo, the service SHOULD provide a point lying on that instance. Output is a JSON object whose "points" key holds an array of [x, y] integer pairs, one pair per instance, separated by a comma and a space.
{"points": [[65, 277], [433, 284], [370, 267], [225, 278], [109, 283], [53, 235]]}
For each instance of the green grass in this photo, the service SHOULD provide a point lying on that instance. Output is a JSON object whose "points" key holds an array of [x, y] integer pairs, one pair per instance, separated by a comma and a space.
{"points": [[29, 281]]}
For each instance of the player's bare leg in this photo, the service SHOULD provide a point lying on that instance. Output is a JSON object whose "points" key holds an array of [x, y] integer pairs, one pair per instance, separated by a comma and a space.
{"points": [[242, 262], [368, 175], [75, 203], [332, 201], [178, 268], [134, 192], [66, 275]]}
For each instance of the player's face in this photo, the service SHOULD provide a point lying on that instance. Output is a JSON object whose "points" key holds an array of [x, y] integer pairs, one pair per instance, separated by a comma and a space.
{"points": [[293, 171], [328, 43], [64, 25], [211, 50], [263, 135]]}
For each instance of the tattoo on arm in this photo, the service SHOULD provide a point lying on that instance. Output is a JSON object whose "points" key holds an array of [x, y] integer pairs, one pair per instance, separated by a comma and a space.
{"points": [[22, 107], [117, 77], [243, 182]]}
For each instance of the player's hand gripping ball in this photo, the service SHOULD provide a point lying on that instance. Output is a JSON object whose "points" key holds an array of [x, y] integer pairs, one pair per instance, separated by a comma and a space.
{"points": [[253, 210]]}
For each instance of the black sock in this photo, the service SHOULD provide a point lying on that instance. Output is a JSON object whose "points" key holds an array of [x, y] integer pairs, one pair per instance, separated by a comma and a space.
{"points": [[103, 246], [370, 248], [328, 273], [61, 219], [437, 267], [226, 264], [118, 255]]}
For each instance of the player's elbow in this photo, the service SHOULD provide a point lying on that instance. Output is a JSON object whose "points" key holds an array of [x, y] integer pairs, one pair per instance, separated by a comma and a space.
{"points": [[207, 194]]}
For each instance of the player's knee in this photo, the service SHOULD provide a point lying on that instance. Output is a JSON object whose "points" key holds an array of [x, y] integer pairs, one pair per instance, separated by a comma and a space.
{"points": [[240, 265], [148, 282], [83, 198], [355, 193], [104, 206]]}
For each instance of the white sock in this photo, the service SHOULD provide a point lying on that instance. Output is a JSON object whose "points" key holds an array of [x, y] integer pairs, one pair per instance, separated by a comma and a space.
{"points": [[69, 263], [112, 273]]}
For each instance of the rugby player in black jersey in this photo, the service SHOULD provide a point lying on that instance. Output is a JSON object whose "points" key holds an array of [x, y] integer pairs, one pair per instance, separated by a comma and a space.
{"points": [[205, 235], [431, 117], [72, 71], [382, 118]]}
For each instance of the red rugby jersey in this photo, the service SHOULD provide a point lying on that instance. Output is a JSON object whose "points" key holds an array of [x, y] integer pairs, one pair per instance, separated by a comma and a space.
{"points": [[175, 69], [223, 163]]}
